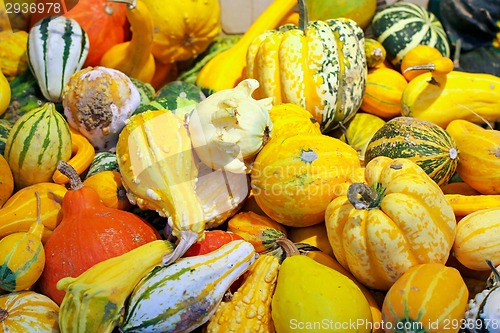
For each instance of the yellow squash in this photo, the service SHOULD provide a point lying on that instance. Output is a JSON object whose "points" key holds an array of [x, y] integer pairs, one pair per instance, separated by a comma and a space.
{"points": [[6, 181], [5, 93]]}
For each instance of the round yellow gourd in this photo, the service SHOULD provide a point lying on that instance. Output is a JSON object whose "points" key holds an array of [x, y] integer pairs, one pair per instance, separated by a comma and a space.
{"points": [[291, 119]]}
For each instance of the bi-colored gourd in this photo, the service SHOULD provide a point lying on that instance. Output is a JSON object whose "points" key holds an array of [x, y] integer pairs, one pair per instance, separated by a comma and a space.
{"points": [[397, 218], [424, 58], [102, 161], [6, 181], [88, 233], [319, 65], [375, 53], [429, 297]]}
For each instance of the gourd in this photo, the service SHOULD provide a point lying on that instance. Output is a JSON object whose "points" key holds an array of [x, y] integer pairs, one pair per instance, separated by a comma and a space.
{"points": [[294, 179], [418, 301], [479, 155], [360, 11], [184, 295], [97, 102], [384, 88], [109, 187], [13, 57], [158, 171], [5, 93], [304, 284], [5, 127], [425, 143], [465, 204], [134, 57], [232, 62], [475, 239], [292, 119], [397, 218], [36, 142], [423, 58], [319, 65], [442, 98], [22, 256], [21, 209], [213, 240], [375, 53], [6, 181], [88, 233], [95, 300], [102, 161], [403, 25], [314, 235], [57, 48], [26, 311]]}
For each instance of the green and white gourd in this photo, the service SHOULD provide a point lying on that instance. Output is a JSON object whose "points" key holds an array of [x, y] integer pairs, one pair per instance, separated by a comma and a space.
{"points": [[182, 296], [57, 48], [5, 127], [404, 25], [103, 161]]}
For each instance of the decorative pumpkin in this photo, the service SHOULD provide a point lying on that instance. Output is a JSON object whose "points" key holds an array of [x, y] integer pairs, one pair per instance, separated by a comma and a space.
{"points": [[396, 219], [295, 178], [13, 57], [6, 181], [291, 119], [403, 25], [57, 48], [428, 297], [98, 102], [424, 58], [108, 185], [479, 155], [425, 143], [28, 311], [475, 239], [36, 142], [88, 233], [320, 65]]}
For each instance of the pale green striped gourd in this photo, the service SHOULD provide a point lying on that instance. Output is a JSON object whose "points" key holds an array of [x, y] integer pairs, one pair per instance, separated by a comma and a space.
{"points": [[57, 48], [404, 25], [37, 141], [184, 295]]}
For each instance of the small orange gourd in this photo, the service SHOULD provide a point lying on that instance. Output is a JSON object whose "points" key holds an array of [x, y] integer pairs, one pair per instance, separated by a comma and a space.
{"points": [[425, 58], [6, 181], [108, 184]]}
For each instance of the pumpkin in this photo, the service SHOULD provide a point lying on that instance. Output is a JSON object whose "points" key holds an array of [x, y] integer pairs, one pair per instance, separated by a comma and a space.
{"points": [[479, 155], [384, 89], [291, 119], [319, 65], [417, 301], [475, 239], [294, 178], [28, 311], [108, 185], [6, 181], [399, 204], [88, 233], [424, 58]]}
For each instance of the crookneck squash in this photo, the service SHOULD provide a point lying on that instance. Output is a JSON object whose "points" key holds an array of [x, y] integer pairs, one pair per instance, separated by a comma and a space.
{"points": [[425, 58]]}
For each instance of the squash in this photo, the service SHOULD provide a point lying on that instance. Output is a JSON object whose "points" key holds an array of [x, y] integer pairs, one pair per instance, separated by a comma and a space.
{"points": [[456, 95], [291, 119], [375, 53], [424, 58], [360, 11], [465, 204], [479, 155], [428, 145], [184, 295], [429, 297], [384, 89], [5, 93], [6, 181], [134, 57], [303, 284], [13, 57], [314, 235], [108, 185], [399, 204], [295, 178], [88, 233], [57, 48], [102, 161], [21, 209], [97, 103], [232, 62], [28, 311], [319, 65], [214, 239], [36, 142], [475, 239], [5, 127], [401, 26]]}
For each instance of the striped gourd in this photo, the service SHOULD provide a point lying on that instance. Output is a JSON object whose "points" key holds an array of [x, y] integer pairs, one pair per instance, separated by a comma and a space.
{"points": [[57, 48], [5, 127], [184, 295], [103, 161], [404, 25], [36, 142], [423, 142], [320, 65]]}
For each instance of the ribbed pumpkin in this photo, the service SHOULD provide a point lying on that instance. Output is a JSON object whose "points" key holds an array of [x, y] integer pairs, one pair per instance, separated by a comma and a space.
{"points": [[294, 178], [36, 142], [319, 65], [425, 143], [396, 219], [28, 311], [427, 298]]}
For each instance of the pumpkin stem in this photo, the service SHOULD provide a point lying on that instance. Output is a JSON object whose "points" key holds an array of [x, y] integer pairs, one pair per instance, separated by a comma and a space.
{"points": [[3, 314], [303, 16], [288, 246], [362, 196], [75, 183], [494, 270], [131, 4]]}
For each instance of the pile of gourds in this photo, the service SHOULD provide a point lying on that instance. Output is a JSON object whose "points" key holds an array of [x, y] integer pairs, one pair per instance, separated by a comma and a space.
{"points": [[324, 171]]}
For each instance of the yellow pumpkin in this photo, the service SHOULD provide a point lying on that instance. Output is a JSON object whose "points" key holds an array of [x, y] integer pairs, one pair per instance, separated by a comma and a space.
{"points": [[6, 181], [397, 218], [294, 178], [427, 298]]}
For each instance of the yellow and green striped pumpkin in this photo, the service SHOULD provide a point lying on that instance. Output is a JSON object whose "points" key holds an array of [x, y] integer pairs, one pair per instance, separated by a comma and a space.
{"points": [[423, 142]]}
